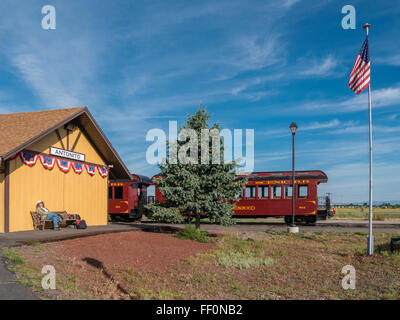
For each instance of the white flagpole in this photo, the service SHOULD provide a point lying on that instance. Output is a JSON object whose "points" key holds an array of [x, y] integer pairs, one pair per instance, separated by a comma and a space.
{"points": [[370, 246]]}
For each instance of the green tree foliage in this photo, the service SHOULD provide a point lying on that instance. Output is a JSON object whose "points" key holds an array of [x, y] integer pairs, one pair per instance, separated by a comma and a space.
{"points": [[192, 188]]}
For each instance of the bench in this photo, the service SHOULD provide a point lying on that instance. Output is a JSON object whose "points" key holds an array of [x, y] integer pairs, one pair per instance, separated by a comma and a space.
{"points": [[40, 224]]}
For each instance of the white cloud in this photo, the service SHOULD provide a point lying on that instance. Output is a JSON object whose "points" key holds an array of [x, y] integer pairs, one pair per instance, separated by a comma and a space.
{"points": [[389, 60], [322, 125], [323, 67], [380, 98], [255, 52], [283, 132], [350, 181], [46, 84], [289, 3]]}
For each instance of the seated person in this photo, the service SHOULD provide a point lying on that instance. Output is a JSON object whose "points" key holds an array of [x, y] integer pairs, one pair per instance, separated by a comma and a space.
{"points": [[47, 215]]}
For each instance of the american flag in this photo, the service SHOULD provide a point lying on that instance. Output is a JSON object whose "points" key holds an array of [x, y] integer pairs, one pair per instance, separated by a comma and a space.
{"points": [[360, 74]]}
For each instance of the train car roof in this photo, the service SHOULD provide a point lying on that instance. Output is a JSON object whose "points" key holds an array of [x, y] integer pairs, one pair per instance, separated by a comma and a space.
{"points": [[284, 175], [135, 178], [141, 178]]}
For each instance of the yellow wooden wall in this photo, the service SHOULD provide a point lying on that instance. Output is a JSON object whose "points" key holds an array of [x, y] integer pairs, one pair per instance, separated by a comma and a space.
{"points": [[1, 202], [77, 193]]}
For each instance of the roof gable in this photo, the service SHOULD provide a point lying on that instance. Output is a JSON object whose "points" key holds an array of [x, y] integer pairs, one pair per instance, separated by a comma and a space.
{"points": [[17, 129], [20, 130]]}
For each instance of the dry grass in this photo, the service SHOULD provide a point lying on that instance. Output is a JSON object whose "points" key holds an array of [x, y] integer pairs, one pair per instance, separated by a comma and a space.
{"points": [[279, 266]]}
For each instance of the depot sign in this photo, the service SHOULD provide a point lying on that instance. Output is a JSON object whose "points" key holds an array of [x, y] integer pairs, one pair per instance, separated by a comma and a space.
{"points": [[67, 154]]}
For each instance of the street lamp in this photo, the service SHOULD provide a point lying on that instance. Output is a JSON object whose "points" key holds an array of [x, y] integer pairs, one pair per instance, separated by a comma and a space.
{"points": [[292, 228]]}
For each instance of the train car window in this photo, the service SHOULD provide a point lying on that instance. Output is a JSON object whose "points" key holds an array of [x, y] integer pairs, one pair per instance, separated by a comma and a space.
{"points": [[118, 193], [288, 191], [302, 191], [250, 192], [262, 192], [109, 192], [276, 192]]}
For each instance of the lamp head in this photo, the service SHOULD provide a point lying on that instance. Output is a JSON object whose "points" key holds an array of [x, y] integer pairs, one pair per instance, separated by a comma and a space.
{"points": [[293, 128]]}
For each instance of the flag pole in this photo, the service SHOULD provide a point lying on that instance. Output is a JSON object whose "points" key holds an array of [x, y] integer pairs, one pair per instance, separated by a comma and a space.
{"points": [[370, 246]]}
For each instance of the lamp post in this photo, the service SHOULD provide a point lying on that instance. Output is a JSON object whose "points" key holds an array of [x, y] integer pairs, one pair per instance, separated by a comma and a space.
{"points": [[293, 228]]}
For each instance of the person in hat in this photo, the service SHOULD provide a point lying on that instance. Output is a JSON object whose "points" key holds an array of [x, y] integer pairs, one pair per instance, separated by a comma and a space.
{"points": [[47, 215]]}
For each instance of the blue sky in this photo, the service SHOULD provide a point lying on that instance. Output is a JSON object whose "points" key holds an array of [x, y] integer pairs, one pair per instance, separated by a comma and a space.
{"points": [[254, 65]]}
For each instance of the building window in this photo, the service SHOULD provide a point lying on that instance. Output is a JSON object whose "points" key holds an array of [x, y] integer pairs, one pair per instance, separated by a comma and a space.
{"points": [[118, 193], [250, 192], [302, 191], [288, 192], [262, 192], [109, 192], [276, 192]]}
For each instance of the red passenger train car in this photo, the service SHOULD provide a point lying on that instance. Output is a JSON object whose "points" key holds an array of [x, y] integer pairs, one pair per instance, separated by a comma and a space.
{"points": [[269, 194], [126, 198]]}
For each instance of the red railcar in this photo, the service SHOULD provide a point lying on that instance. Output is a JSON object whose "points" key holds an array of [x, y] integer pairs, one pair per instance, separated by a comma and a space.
{"points": [[269, 194], [126, 198]]}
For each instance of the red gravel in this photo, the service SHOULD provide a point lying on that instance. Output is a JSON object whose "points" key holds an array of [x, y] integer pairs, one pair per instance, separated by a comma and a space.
{"points": [[143, 251]]}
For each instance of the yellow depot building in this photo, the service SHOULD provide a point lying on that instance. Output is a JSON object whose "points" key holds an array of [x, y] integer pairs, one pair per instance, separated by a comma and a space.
{"points": [[61, 157]]}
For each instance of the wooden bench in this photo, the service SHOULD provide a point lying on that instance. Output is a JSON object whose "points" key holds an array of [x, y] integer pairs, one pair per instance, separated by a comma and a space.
{"points": [[40, 224]]}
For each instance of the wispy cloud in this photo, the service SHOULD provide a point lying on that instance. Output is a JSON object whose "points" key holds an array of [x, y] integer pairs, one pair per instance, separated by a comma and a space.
{"points": [[322, 125], [289, 3], [389, 60], [320, 68], [380, 98], [257, 52]]}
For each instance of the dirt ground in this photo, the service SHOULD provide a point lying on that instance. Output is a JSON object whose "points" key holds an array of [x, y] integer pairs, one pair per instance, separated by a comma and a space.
{"points": [[246, 265], [95, 264], [138, 250]]}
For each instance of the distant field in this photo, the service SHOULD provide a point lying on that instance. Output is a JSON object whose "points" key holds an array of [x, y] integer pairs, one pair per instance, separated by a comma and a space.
{"points": [[377, 210], [357, 213]]}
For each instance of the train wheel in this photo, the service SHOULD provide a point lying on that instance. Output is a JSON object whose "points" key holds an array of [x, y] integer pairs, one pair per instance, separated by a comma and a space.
{"points": [[115, 218], [288, 219], [311, 220]]}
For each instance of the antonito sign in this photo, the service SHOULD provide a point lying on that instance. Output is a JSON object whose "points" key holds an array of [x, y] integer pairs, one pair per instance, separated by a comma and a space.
{"points": [[67, 154]]}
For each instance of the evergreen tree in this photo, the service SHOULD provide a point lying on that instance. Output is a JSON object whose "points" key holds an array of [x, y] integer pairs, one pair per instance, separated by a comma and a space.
{"points": [[197, 188]]}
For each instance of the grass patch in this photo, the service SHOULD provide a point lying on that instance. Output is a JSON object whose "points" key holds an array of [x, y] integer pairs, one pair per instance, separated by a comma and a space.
{"points": [[242, 254], [191, 233], [27, 275], [241, 261], [14, 257]]}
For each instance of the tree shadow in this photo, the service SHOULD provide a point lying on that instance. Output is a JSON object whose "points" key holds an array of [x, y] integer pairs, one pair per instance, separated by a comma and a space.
{"points": [[99, 265]]}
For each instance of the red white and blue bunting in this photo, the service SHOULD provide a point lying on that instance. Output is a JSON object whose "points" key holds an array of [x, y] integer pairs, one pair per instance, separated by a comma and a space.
{"points": [[91, 169], [64, 165], [47, 162], [30, 159], [103, 171], [78, 167]]}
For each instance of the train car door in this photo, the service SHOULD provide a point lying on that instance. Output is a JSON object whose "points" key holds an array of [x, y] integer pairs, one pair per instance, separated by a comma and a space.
{"points": [[118, 202]]}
